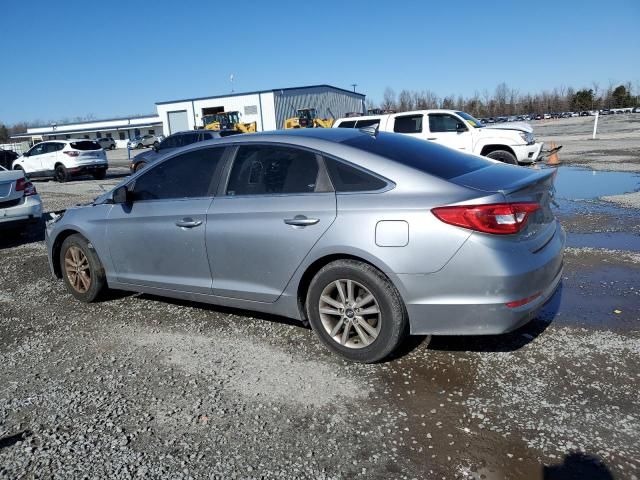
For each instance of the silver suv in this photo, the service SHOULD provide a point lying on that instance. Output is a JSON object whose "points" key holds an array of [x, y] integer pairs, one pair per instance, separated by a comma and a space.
{"points": [[143, 141], [107, 143]]}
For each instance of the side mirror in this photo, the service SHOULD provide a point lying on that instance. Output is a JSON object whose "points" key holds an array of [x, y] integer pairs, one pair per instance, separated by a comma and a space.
{"points": [[121, 195], [25, 154], [460, 127]]}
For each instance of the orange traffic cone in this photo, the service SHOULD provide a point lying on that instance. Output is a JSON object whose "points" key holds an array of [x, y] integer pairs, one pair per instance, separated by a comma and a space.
{"points": [[553, 158]]}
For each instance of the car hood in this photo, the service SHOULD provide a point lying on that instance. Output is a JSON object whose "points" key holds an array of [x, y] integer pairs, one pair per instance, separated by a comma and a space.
{"points": [[518, 126]]}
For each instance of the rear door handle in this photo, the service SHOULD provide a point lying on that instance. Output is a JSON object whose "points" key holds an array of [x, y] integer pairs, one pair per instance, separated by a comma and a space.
{"points": [[301, 221], [188, 223], [434, 138]]}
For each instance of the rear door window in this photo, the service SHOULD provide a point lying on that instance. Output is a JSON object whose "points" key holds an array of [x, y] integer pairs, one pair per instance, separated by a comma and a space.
{"points": [[86, 145], [408, 124], [347, 124], [272, 170], [190, 175]]}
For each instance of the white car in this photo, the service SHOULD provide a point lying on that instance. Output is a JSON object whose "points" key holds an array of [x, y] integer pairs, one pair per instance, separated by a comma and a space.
{"points": [[20, 203], [511, 142], [143, 141], [64, 159]]}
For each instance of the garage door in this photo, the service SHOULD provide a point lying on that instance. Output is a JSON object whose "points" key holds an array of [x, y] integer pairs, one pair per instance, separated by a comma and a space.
{"points": [[178, 121]]}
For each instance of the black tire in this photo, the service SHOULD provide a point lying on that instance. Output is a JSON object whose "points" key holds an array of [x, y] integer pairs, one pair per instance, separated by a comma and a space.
{"points": [[139, 146], [61, 174], [155, 144], [96, 275], [99, 174], [112, 147], [139, 166], [394, 323], [503, 156]]}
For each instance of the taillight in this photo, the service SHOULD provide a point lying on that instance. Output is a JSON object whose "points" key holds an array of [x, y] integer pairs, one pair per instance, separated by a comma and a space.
{"points": [[24, 185], [497, 218], [71, 153]]}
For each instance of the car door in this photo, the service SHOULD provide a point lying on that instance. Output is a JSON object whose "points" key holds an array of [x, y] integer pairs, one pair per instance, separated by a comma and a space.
{"points": [[158, 239], [276, 205], [33, 161], [50, 157], [450, 131]]}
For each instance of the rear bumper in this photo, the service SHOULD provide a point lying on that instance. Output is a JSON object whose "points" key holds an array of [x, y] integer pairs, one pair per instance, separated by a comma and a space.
{"points": [[469, 295], [528, 153], [30, 211], [89, 168]]}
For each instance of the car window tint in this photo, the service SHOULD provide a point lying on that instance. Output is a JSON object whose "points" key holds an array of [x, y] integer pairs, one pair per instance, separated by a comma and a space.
{"points": [[370, 122], [347, 178], [428, 157], [347, 124], [408, 124], [51, 148], [38, 149], [86, 145], [441, 122], [169, 142], [185, 176], [189, 138], [264, 170]]}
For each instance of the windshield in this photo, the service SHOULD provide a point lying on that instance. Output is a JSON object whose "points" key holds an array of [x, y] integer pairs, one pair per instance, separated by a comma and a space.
{"points": [[475, 123]]}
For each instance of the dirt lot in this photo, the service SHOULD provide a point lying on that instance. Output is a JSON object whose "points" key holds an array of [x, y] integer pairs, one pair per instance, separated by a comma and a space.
{"points": [[139, 386]]}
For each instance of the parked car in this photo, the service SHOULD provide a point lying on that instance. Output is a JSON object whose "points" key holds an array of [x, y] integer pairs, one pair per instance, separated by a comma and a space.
{"points": [[177, 140], [143, 141], [7, 157], [636, 110], [64, 159], [510, 143], [107, 143], [279, 236], [20, 204]]}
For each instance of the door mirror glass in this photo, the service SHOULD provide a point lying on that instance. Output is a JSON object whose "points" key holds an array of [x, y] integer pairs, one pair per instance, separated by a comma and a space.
{"points": [[460, 127], [121, 195]]}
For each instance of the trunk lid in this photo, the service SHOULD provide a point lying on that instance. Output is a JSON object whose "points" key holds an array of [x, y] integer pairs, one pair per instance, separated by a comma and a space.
{"points": [[519, 184], [8, 179]]}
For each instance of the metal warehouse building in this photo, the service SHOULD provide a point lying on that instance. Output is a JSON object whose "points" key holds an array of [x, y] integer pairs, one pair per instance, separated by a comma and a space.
{"points": [[268, 108]]}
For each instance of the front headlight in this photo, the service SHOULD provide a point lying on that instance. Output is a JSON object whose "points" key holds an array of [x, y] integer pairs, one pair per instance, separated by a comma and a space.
{"points": [[527, 137]]}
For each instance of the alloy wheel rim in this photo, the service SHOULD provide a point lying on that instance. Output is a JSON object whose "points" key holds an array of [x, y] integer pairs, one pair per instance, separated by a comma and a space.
{"points": [[350, 313], [76, 265]]}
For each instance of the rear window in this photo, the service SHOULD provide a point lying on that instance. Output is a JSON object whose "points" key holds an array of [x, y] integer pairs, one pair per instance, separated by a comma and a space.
{"points": [[226, 133], [86, 145], [422, 155]]}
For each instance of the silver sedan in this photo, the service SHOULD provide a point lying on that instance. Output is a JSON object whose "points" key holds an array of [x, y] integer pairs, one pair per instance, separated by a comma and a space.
{"points": [[367, 236]]}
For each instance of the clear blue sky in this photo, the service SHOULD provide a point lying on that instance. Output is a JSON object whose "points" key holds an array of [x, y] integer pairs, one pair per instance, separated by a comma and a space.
{"points": [[73, 58]]}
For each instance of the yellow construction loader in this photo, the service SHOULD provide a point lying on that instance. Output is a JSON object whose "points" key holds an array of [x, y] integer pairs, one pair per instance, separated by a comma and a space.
{"points": [[228, 121], [308, 118]]}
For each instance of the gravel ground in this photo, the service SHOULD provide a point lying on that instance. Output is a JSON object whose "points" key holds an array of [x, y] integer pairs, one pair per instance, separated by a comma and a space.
{"points": [[140, 386]]}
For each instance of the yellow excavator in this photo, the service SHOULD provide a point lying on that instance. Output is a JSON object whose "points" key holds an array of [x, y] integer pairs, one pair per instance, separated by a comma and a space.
{"points": [[228, 121], [308, 118]]}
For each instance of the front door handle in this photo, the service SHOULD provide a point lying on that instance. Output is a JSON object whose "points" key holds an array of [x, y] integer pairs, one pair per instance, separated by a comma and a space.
{"points": [[433, 138], [188, 223], [301, 221]]}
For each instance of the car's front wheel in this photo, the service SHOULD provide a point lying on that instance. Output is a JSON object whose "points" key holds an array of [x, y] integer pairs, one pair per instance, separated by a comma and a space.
{"points": [[503, 156], [81, 268], [356, 311], [112, 147]]}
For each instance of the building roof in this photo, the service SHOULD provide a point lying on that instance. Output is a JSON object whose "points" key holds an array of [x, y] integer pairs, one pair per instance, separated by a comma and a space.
{"points": [[262, 91], [131, 117], [124, 126]]}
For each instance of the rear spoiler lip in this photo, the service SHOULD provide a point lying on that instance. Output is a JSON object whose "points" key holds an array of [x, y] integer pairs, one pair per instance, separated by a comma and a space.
{"points": [[535, 177]]}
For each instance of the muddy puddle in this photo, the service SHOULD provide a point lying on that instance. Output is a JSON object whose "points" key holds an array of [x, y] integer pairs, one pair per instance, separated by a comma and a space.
{"points": [[607, 240]]}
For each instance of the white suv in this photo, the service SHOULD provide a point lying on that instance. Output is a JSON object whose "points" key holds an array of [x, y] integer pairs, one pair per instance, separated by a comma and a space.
{"points": [[512, 142], [63, 159]]}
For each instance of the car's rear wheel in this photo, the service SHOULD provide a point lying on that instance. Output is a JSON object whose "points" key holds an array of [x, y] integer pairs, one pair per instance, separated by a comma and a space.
{"points": [[61, 174], [155, 144], [81, 269], [99, 174], [112, 147], [503, 156], [356, 311]]}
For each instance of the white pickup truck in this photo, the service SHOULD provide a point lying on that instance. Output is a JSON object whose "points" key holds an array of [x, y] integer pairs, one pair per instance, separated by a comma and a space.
{"points": [[507, 142]]}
